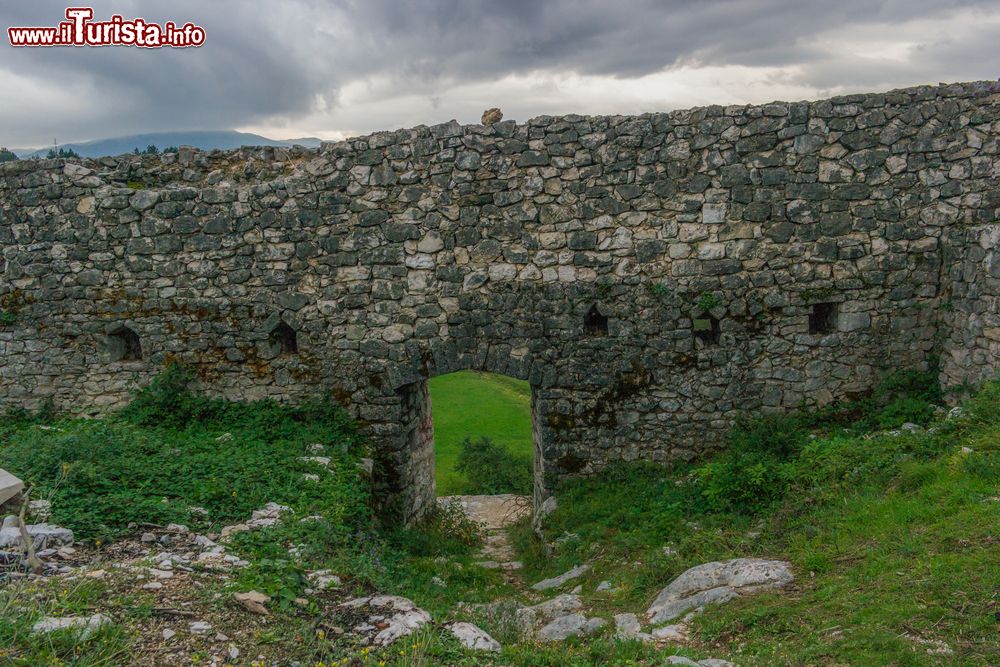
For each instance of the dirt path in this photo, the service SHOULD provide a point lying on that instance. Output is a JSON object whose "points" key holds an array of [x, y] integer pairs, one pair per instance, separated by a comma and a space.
{"points": [[495, 513]]}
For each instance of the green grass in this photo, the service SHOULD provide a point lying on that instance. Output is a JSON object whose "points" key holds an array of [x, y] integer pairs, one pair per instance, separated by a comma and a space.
{"points": [[173, 456], [473, 404], [892, 538]]}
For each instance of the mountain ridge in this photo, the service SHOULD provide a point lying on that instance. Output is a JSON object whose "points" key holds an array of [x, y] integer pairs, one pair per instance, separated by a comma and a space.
{"points": [[201, 139]]}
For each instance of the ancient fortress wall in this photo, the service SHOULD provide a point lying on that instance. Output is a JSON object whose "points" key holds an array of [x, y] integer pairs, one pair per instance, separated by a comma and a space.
{"points": [[651, 276]]}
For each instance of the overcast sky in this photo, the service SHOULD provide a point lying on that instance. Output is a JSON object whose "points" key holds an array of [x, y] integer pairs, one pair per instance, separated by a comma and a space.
{"points": [[333, 68]]}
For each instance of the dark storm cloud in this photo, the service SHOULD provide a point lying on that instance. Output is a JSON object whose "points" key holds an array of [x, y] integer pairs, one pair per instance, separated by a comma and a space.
{"points": [[268, 59]]}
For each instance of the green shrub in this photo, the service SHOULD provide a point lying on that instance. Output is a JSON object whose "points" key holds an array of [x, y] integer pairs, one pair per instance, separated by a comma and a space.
{"points": [[751, 473], [443, 530], [492, 469], [166, 401], [903, 410], [741, 482]]}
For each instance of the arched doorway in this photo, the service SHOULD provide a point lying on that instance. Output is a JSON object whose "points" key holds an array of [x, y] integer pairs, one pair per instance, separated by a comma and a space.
{"points": [[414, 474], [482, 434]]}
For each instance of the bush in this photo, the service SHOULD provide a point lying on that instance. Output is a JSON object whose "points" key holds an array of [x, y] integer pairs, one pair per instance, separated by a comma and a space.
{"points": [[769, 454], [751, 473], [492, 469]]}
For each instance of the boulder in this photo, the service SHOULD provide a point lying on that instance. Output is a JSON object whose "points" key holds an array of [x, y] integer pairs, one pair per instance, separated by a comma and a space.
{"points": [[391, 615], [10, 486], [718, 582], [627, 627], [573, 625], [254, 602], [526, 619], [474, 638], [491, 115], [320, 580], [555, 582], [43, 535], [544, 510]]}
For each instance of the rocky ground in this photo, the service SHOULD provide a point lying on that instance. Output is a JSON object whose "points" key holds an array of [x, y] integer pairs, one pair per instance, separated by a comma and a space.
{"points": [[190, 616]]}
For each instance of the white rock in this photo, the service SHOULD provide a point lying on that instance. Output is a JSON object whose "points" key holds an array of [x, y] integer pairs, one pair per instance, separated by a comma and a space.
{"points": [[199, 627], [681, 660], [152, 586], [555, 582], [10, 486], [265, 516], [401, 625], [167, 633], [85, 626], [472, 637], [573, 625], [38, 509], [43, 535], [367, 466], [673, 633], [160, 574], [544, 510], [319, 460], [627, 626], [718, 582], [604, 586], [323, 579], [397, 615]]}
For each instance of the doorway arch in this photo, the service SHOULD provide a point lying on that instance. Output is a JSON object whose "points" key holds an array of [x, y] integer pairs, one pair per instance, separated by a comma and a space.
{"points": [[408, 482]]}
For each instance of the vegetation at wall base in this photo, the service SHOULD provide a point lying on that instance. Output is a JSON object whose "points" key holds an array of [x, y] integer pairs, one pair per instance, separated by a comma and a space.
{"points": [[891, 533]]}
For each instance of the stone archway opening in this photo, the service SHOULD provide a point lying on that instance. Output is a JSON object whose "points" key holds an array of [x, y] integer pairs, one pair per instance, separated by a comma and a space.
{"points": [[482, 434], [438, 415]]}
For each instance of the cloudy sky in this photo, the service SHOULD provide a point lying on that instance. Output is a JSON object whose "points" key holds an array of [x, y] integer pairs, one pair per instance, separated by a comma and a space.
{"points": [[333, 68]]}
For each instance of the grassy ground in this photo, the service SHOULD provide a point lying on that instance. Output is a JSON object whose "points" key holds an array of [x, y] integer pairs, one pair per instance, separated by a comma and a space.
{"points": [[175, 457], [892, 537], [472, 404]]}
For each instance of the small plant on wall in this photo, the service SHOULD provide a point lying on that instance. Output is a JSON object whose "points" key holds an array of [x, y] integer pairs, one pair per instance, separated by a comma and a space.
{"points": [[10, 307], [659, 290], [707, 301]]}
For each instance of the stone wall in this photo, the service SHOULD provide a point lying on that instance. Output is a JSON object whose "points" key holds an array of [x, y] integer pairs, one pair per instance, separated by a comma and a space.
{"points": [[969, 308], [651, 276]]}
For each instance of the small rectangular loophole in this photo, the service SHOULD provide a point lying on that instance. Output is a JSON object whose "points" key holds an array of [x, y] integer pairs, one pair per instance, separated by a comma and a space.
{"points": [[706, 329], [823, 318]]}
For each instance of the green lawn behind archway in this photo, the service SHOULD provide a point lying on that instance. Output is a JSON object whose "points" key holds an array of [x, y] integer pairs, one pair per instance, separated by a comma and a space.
{"points": [[474, 404]]}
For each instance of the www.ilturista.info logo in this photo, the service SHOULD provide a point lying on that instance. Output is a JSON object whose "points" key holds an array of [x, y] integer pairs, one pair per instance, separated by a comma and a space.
{"points": [[79, 30]]}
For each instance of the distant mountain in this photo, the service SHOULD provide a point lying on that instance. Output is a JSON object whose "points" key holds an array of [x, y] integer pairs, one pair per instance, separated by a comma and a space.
{"points": [[205, 140]]}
